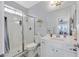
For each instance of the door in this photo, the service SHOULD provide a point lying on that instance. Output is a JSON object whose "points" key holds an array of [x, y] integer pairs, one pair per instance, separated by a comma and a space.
{"points": [[28, 23], [14, 33]]}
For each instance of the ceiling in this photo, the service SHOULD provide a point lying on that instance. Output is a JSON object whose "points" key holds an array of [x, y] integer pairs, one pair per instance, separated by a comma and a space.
{"points": [[41, 8], [27, 4], [44, 7]]}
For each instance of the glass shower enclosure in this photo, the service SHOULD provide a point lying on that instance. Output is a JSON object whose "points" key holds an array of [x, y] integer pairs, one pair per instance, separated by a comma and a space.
{"points": [[19, 31]]}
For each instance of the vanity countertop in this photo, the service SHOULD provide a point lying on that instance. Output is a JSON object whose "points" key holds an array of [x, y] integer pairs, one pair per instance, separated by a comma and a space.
{"points": [[68, 39]]}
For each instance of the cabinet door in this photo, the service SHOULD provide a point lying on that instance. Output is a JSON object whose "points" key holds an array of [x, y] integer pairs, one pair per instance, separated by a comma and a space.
{"points": [[50, 51], [47, 49], [68, 53], [43, 49], [54, 51]]}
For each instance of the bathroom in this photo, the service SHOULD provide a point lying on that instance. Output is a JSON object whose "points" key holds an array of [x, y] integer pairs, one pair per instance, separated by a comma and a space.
{"points": [[39, 28]]}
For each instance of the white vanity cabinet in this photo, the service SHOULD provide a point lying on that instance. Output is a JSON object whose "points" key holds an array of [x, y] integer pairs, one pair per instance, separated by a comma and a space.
{"points": [[55, 48]]}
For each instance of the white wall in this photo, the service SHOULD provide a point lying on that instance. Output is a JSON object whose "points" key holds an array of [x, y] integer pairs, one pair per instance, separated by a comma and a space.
{"points": [[1, 28]]}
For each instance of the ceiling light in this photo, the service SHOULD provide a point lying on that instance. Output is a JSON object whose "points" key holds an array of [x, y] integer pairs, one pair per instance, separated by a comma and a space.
{"points": [[55, 3]]}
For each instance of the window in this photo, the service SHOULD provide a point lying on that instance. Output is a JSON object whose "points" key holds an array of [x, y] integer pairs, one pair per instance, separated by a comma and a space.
{"points": [[62, 27]]}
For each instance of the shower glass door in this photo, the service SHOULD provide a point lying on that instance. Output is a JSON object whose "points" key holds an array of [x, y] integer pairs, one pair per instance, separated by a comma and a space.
{"points": [[28, 23], [14, 28]]}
